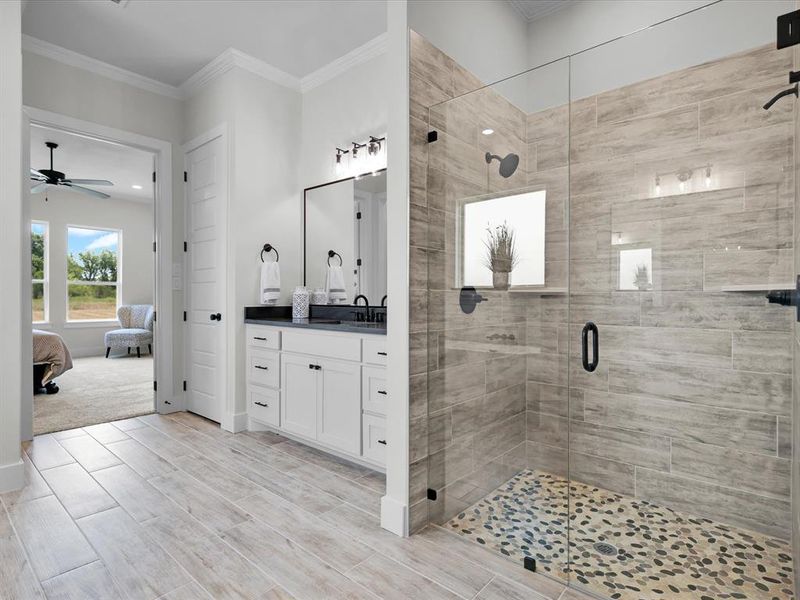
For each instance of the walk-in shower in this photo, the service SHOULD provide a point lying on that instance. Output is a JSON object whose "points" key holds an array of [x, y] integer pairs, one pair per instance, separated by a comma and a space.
{"points": [[667, 200]]}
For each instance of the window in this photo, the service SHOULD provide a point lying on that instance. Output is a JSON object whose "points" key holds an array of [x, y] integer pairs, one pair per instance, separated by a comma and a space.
{"points": [[92, 274], [524, 216], [39, 271], [636, 269]]}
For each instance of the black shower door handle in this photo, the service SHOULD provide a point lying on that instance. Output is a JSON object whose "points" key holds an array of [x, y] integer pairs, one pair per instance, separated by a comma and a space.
{"points": [[590, 366]]}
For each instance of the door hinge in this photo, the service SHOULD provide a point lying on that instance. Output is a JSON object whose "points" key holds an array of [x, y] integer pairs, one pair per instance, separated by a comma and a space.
{"points": [[154, 176], [358, 262], [358, 215], [184, 385], [185, 176], [184, 315], [155, 386], [155, 316], [185, 246], [433, 136], [154, 246]]}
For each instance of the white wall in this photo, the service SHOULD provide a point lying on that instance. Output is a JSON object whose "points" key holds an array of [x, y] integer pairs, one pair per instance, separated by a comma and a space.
{"points": [[74, 92], [15, 364], [348, 108], [134, 219]]}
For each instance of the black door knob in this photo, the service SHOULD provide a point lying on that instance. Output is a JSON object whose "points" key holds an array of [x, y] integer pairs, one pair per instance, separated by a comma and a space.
{"points": [[216, 317]]}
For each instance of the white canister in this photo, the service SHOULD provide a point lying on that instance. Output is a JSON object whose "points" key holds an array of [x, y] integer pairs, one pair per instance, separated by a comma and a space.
{"points": [[319, 296], [300, 303]]}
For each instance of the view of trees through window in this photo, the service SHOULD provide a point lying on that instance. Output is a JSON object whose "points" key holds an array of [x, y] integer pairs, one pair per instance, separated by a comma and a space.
{"points": [[92, 277], [39, 270]]}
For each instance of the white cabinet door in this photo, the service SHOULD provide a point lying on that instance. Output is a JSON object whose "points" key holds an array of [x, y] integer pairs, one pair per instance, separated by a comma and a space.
{"points": [[205, 223], [339, 410], [301, 392]]}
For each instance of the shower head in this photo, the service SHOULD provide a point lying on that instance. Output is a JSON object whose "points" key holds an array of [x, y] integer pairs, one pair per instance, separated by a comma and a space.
{"points": [[508, 164]]}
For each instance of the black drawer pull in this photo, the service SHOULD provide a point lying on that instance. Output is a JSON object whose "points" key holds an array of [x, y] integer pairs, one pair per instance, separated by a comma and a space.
{"points": [[381, 353], [264, 404], [260, 338], [382, 392], [382, 442], [315, 367], [262, 368]]}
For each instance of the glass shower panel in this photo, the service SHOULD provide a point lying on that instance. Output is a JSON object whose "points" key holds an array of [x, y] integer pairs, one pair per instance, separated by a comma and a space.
{"points": [[497, 258], [682, 199]]}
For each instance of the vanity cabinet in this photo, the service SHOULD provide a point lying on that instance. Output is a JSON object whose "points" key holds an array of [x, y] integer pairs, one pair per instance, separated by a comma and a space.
{"points": [[325, 388]]}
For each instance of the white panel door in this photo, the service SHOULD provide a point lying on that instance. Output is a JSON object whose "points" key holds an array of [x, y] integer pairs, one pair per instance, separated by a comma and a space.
{"points": [[339, 410], [301, 391], [205, 286]]}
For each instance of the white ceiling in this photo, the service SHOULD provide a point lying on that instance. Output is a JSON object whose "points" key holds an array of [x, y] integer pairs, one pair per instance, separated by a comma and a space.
{"points": [[86, 158], [531, 10], [170, 40]]}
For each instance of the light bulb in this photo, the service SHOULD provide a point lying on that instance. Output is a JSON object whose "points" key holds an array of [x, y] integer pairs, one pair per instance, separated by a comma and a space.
{"points": [[681, 186], [658, 186], [708, 177]]}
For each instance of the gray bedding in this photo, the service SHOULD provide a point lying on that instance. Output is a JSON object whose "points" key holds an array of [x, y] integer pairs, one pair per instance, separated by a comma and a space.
{"points": [[49, 349]]}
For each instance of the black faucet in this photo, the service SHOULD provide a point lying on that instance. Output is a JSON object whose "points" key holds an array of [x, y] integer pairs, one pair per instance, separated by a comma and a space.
{"points": [[365, 316], [383, 301]]}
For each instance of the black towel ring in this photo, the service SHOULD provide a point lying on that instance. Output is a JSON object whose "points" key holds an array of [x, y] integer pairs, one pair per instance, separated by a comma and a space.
{"points": [[331, 254], [270, 248]]}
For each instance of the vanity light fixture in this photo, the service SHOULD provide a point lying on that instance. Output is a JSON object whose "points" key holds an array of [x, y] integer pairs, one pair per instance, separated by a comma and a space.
{"points": [[357, 155], [340, 158]]}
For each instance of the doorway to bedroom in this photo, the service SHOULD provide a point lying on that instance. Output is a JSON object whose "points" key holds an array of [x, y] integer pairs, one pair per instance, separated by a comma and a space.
{"points": [[92, 280]]}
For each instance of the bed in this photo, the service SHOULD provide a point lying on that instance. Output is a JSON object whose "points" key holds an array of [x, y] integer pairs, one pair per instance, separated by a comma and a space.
{"points": [[51, 358]]}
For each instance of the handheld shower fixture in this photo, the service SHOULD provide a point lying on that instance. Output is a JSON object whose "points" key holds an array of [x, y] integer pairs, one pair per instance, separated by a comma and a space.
{"points": [[508, 164]]}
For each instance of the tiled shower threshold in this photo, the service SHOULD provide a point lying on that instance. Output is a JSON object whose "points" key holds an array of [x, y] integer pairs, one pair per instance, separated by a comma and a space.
{"points": [[623, 547]]}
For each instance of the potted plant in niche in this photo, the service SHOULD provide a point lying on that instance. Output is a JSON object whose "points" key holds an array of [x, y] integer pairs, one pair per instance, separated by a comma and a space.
{"points": [[501, 254]]}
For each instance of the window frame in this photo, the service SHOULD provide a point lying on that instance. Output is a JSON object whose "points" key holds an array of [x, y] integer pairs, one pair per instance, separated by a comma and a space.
{"points": [[45, 272], [117, 283]]}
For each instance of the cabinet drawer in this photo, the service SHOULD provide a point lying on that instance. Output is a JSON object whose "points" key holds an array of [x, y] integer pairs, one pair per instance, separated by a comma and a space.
{"points": [[374, 442], [263, 405], [373, 386], [263, 367], [375, 350], [263, 337], [341, 347]]}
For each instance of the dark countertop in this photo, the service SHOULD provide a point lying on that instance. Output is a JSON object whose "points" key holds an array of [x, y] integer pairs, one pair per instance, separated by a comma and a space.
{"points": [[321, 324]]}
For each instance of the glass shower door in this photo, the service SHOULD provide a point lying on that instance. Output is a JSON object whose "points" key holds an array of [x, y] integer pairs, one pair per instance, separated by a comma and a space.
{"points": [[682, 200], [495, 256]]}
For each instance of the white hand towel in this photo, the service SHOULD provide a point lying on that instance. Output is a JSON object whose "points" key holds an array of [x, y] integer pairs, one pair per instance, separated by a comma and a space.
{"points": [[270, 283], [334, 285]]}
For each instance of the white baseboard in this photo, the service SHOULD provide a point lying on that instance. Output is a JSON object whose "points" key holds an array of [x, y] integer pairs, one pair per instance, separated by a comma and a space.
{"points": [[234, 422], [12, 476], [394, 516]]}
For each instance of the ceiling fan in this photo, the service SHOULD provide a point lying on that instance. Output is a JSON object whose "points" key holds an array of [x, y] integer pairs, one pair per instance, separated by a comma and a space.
{"points": [[45, 177]]}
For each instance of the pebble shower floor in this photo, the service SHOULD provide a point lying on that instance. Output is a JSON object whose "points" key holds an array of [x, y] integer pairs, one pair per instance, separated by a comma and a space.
{"points": [[660, 553]]}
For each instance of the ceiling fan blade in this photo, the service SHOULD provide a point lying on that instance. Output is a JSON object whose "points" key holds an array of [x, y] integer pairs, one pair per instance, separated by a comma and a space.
{"points": [[37, 175], [40, 187], [89, 181], [84, 190]]}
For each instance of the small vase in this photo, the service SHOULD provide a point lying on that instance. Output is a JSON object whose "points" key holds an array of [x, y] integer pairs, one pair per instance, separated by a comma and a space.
{"points": [[500, 280], [300, 304]]}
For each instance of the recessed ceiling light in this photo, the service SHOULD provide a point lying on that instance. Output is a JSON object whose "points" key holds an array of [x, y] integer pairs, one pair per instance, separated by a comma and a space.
{"points": [[136, 186], [487, 131]]}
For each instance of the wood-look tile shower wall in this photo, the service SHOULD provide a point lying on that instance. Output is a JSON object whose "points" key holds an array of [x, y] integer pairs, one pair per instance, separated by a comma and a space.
{"points": [[691, 405]]}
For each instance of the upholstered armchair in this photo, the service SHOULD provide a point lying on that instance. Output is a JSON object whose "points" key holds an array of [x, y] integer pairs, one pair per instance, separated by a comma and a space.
{"points": [[136, 323]]}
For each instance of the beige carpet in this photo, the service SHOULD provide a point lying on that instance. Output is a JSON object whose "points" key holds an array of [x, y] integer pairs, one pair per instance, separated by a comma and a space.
{"points": [[96, 390]]}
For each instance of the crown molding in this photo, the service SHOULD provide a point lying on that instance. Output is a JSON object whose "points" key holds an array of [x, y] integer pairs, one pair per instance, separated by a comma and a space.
{"points": [[236, 58], [216, 68], [375, 47], [74, 59]]}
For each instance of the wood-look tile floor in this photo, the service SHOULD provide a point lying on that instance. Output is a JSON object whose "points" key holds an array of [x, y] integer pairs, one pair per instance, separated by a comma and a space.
{"points": [[173, 507]]}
